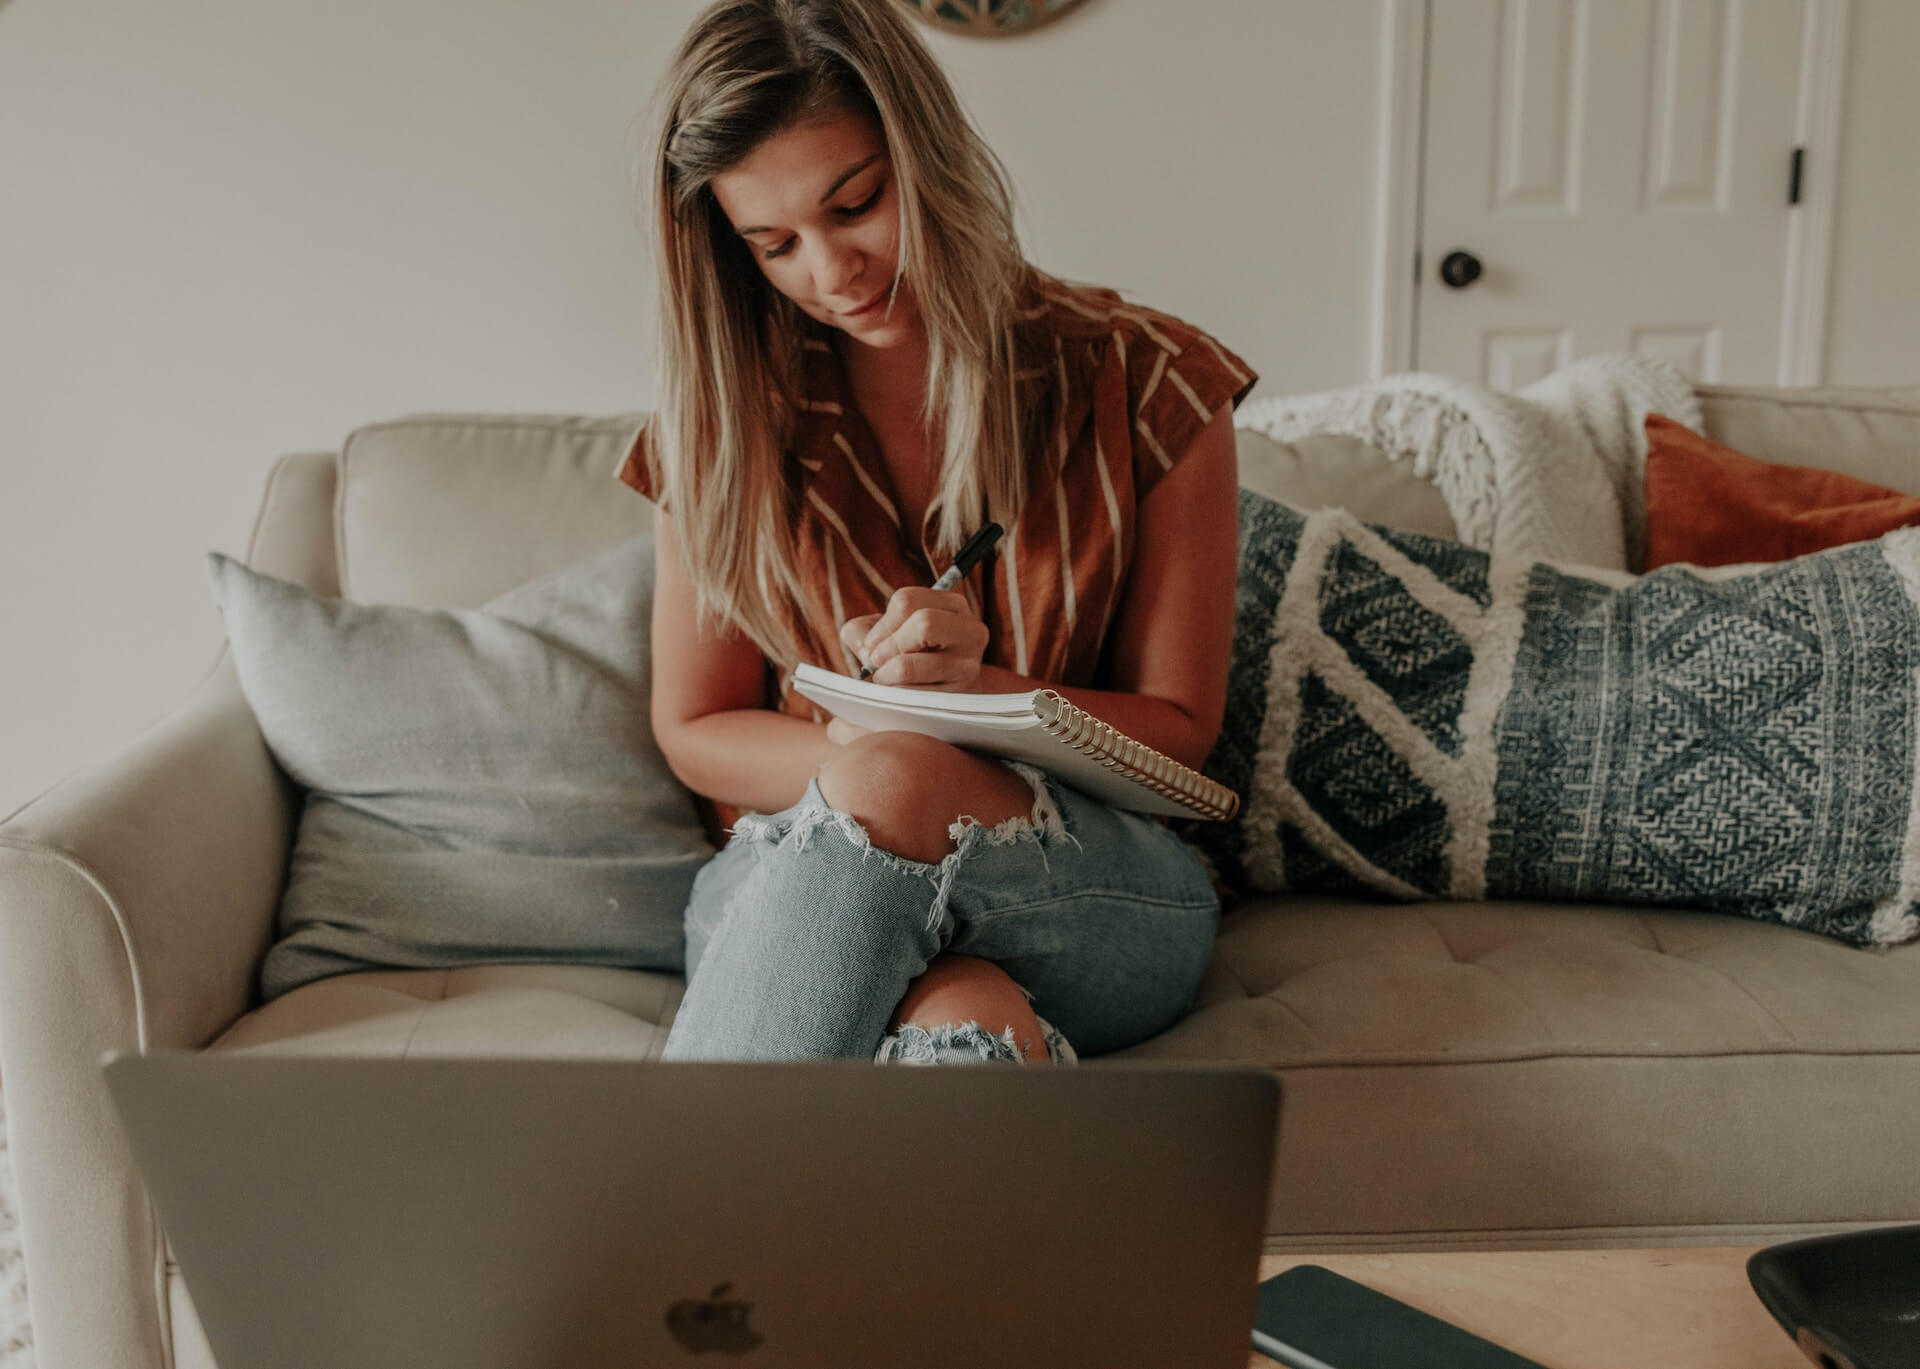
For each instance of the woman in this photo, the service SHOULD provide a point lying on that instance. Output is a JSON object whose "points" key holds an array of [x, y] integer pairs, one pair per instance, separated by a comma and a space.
{"points": [[858, 368]]}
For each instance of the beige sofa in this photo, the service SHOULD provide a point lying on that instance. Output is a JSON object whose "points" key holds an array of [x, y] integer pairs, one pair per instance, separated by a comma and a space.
{"points": [[1456, 1074]]}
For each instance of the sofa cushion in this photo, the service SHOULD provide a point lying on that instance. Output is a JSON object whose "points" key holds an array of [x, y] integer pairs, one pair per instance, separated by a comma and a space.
{"points": [[1870, 434], [563, 1011], [1505, 1074], [1709, 505], [483, 785], [449, 510], [1411, 718], [1333, 471]]}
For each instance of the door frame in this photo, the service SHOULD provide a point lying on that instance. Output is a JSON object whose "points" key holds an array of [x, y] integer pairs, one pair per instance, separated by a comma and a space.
{"points": [[1399, 168]]}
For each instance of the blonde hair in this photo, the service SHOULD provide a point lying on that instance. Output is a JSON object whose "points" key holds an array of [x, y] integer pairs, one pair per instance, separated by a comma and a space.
{"points": [[729, 353]]}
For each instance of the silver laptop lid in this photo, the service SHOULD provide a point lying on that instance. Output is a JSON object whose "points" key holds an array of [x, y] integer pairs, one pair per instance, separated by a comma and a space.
{"points": [[467, 1214]]}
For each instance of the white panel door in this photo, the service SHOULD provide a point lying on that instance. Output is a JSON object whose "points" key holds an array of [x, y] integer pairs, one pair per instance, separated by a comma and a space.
{"points": [[1618, 173]]}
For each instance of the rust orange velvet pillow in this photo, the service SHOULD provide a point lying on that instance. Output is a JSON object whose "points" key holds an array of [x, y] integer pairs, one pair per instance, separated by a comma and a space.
{"points": [[1712, 506]]}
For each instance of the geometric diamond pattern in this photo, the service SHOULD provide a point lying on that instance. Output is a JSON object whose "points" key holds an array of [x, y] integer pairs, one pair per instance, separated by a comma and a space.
{"points": [[1744, 744], [1350, 775], [1416, 656]]}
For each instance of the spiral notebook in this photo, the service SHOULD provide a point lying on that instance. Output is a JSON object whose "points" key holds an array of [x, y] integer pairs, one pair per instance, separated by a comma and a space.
{"points": [[1037, 726]]}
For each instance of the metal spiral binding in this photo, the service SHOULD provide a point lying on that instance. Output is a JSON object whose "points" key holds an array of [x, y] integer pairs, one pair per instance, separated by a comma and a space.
{"points": [[1143, 765]]}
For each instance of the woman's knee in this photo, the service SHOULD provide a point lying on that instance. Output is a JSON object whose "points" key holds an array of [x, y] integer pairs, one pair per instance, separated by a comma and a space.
{"points": [[957, 989], [906, 790]]}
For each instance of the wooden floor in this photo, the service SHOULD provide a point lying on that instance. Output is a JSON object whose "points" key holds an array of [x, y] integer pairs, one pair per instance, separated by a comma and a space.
{"points": [[1585, 1309]]}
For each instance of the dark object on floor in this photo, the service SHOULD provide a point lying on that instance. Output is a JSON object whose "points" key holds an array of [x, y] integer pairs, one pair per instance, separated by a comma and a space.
{"points": [[1849, 1301], [1312, 1318]]}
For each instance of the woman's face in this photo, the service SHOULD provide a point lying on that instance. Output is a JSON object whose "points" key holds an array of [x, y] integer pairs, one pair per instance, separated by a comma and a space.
{"points": [[818, 207]]}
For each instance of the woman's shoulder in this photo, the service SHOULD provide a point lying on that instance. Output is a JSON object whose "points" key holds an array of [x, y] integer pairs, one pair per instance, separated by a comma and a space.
{"points": [[1093, 326], [1171, 375], [1078, 311]]}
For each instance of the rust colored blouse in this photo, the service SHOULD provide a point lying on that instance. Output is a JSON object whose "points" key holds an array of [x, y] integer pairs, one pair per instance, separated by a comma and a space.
{"points": [[1134, 389]]}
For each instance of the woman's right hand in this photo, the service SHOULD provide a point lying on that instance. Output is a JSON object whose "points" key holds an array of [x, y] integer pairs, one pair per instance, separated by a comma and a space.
{"points": [[928, 638]]}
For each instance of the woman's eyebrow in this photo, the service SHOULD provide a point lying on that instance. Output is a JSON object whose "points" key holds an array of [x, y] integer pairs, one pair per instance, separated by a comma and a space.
{"points": [[831, 190], [848, 175]]}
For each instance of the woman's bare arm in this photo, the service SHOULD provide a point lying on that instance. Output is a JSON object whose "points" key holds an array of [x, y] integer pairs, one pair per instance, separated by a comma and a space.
{"points": [[710, 714]]}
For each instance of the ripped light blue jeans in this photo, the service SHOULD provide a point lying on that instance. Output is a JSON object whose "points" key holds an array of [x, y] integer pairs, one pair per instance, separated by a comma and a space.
{"points": [[802, 936]]}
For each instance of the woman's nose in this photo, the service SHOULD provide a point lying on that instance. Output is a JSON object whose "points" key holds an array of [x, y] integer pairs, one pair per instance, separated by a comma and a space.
{"points": [[836, 269]]}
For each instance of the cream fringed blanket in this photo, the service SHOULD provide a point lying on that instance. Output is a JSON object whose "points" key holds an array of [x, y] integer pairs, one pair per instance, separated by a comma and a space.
{"points": [[1555, 471], [16, 1334]]}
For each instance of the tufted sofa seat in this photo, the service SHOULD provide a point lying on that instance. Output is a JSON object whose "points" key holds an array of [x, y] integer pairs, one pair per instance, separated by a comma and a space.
{"points": [[1457, 1075], [1521, 1074], [579, 1011]]}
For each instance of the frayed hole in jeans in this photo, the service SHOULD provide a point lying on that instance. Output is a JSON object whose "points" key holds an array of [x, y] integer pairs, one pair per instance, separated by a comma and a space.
{"points": [[953, 1043], [967, 1043]]}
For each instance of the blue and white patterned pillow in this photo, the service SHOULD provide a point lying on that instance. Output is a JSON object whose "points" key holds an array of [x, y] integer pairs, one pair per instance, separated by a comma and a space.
{"points": [[1411, 719]]}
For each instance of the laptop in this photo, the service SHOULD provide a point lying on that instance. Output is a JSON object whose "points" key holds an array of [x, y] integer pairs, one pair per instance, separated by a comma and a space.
{"points": [[520, 1214]]}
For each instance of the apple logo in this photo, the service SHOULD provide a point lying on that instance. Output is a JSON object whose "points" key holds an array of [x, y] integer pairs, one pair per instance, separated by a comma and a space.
{"points": [[715, 1322]]}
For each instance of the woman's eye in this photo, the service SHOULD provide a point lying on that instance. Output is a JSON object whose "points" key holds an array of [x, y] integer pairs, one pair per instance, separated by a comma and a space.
{"points": [[851, 211], [854, 211]]}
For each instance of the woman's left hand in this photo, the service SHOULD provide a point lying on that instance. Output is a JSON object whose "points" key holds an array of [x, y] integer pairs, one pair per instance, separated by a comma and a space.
{"points": [[929, 638]]}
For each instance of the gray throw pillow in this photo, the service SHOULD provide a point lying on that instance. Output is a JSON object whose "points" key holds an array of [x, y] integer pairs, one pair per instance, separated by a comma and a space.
{"points": [[482, 784], [1410, 718]]}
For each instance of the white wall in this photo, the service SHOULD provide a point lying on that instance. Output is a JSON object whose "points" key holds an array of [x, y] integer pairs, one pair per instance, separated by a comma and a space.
{"points": [[233, 228], [1873, 315]]}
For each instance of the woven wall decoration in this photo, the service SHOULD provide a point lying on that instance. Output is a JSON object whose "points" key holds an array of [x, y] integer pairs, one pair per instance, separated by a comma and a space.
{"points": [[989, 18]]}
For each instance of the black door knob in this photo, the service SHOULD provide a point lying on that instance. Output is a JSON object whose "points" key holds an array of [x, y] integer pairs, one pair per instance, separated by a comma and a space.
{"points": [[1459, 269]]}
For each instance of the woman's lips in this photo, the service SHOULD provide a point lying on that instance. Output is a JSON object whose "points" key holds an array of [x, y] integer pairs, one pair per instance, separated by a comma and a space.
{"points": [[868, 307]]}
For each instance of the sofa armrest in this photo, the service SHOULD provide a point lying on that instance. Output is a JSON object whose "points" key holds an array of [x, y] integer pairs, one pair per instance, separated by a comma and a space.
{"points": [[136, 901]]}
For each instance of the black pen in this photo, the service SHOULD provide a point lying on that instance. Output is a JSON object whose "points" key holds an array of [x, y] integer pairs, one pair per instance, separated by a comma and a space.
{"points": [[970, 555]]}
